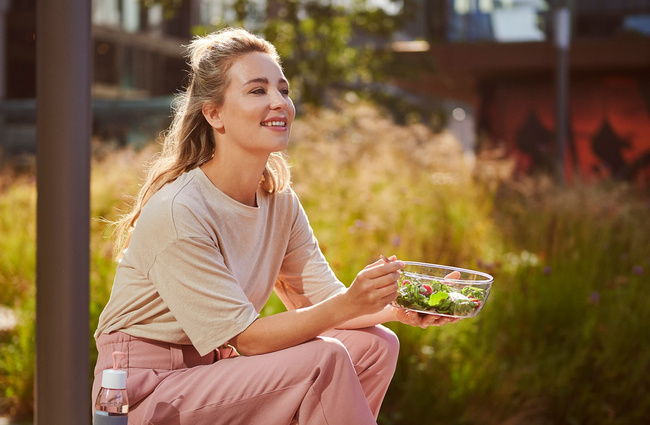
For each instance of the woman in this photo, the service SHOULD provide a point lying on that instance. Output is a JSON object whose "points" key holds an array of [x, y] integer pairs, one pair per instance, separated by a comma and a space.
{"points": [[218, 228]]}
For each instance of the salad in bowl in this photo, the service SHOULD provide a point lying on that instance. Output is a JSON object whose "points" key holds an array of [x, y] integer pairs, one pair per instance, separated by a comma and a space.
{"points": [[442, 290]]}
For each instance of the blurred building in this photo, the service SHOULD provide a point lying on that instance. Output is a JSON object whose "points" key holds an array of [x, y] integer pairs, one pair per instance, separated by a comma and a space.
{"points": [[492, 62], [137, 51], [138, 66], [496, 61]]}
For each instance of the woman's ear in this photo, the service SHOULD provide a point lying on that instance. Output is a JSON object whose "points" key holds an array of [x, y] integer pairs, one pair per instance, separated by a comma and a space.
{"points": [[212, 115]]}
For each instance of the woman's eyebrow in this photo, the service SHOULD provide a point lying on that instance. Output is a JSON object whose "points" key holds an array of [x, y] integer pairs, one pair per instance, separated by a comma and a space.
{"points": [[264, 81]]}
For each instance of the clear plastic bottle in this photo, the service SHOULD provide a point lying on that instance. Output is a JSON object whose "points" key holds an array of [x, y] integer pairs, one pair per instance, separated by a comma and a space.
{"points": [[112, 404]]}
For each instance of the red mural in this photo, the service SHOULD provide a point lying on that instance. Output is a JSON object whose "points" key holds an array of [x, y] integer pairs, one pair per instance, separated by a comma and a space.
{"points": [[609, 127]]}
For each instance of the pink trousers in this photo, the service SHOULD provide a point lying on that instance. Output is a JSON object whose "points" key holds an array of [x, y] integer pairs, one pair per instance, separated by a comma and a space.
{"points": [[339, 378]]}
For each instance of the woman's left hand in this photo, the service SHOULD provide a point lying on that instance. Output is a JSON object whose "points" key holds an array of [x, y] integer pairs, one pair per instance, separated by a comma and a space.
{"points": [[423, 320]]}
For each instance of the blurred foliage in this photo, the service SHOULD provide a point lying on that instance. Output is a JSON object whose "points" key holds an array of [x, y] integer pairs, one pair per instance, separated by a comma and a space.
{"points": [[327, 47], [562, 339], [17, 291], [314, 40]]}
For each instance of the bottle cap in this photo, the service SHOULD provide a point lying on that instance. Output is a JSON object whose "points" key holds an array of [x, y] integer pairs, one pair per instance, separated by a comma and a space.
{"points": [[115, 378]]}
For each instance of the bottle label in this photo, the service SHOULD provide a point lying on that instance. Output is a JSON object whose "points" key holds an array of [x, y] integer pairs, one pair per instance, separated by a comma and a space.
{"points": [[105, 418]]}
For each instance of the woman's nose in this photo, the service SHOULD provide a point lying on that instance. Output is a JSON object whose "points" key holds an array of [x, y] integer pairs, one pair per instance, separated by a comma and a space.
{"points": [[279, 100]]}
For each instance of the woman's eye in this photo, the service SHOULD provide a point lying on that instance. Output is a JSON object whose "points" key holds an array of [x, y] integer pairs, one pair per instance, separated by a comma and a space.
{"points": [[258, 91], [285, 91]]}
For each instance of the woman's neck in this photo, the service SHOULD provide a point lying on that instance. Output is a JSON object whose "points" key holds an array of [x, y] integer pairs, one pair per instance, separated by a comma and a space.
{"points": [[236, 180]]}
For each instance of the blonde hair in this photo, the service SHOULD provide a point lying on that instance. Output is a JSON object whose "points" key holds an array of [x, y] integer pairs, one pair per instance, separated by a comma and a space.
{"points": [[189, 141]]}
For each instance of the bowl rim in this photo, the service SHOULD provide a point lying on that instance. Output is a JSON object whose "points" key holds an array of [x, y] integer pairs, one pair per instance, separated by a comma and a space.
{"points": [[487, 278]]}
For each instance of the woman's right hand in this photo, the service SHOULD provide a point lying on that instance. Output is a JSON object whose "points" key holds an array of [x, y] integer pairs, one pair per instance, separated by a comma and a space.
{"points": [[372, 290], [375, 286]]}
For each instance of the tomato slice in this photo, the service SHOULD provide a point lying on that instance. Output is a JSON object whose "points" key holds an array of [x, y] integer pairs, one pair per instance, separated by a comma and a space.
{"points": [[426, 289]]}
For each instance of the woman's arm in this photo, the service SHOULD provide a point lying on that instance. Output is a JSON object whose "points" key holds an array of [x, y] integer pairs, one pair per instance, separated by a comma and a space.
{"points": [[372, 290], [392, 314]]}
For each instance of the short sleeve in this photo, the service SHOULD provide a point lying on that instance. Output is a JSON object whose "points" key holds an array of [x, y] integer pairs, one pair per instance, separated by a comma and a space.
{"points": [[305, 276], [201, 293]]}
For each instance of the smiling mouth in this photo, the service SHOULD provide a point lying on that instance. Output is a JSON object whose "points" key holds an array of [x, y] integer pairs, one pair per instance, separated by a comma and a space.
{"points": [[274, 124]]}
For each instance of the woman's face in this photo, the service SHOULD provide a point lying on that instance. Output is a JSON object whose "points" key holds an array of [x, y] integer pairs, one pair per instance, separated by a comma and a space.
{"points": [[257, 113]]}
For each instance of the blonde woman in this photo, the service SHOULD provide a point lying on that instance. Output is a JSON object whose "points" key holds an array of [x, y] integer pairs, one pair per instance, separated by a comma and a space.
{"points": [[215, 229]]}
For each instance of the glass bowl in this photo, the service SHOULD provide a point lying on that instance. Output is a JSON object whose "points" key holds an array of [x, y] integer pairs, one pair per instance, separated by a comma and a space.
{"points": [[442, 290]]}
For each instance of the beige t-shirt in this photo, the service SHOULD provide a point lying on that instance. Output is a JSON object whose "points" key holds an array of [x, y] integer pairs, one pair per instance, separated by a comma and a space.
{"points": [[200, 266]]}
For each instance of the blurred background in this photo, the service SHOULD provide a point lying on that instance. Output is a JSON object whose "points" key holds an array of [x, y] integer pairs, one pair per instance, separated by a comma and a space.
{"points": [[509, 136]]}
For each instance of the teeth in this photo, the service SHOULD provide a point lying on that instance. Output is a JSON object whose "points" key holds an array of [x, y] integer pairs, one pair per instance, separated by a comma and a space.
{"points": [[274, 124]]}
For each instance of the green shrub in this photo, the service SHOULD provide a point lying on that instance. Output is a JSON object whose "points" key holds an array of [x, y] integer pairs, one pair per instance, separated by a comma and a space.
{"points": [[562, 339], [17, 291]]}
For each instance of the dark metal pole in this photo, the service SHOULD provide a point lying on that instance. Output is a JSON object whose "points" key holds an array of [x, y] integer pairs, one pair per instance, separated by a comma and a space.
{"points": [[63, 128], [562, 25]]}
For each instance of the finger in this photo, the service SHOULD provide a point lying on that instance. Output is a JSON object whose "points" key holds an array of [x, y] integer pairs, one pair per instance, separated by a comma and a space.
{"points": [[422, 320], [434, 320], [389, 292], [412, 318], [380, 275], [430, 320], [453, 275], [385, 268], [378, 289], [389, 280], [443, 320], [389, 259]]}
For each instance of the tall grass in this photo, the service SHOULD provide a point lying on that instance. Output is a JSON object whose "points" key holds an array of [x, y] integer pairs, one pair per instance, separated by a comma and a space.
{"points": [[17, 291], [371, 187], [562, 340], [577, 317]]}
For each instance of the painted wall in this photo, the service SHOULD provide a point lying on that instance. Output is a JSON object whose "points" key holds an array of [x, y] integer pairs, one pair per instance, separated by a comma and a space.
{"points": [[609, 126]]}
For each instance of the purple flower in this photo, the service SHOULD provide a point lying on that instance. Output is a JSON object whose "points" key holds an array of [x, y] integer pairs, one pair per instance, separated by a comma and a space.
{"points": [[547, 270], [637, 270], [594, 298]]}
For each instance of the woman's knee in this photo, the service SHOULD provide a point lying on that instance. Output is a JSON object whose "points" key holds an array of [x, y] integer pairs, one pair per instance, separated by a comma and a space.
{"points": [[368, 346], [385, 342], [388, 337], [330, 348]]}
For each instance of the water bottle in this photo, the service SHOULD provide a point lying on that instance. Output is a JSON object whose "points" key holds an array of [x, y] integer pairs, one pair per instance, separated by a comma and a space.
{"points": [[112, 404]]}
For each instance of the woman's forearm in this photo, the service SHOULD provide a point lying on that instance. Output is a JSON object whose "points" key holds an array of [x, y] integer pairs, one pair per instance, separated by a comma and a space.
{"points": [[373, 288], [293, 327], [382, 316]]}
